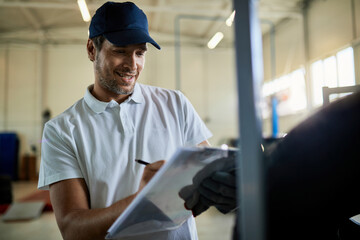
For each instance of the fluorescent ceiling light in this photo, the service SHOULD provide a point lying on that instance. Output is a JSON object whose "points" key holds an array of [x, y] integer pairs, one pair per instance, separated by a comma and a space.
{"points": [[214, 41], [84, 10], [230, 19]]}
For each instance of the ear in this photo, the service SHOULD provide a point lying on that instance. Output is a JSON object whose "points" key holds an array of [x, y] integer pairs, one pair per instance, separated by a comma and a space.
{"points": [[91, 50]]}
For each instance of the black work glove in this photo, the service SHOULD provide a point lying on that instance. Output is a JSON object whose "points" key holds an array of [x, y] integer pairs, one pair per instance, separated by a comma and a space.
{"points": [[218, 190]]}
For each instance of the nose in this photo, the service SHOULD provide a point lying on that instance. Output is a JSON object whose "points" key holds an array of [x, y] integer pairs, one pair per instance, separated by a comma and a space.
{"points": [[130, 62]]}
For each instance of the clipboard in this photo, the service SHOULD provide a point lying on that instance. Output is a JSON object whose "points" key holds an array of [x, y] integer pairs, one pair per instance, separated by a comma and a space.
{"points": [[158, 206]]}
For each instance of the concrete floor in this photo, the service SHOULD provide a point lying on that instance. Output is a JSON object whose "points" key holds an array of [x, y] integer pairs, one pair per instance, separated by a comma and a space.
{"points": [[211, 225]]}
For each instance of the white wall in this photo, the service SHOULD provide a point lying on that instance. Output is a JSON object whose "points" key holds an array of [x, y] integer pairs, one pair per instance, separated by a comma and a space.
{"points": [[3, 92], [69, 72], [289, 48], [20, 111], [330, 26]]}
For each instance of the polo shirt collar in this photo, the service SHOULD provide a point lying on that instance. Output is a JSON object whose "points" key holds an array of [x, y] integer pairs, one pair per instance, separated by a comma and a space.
{"points": [[137, 96], [99, 106], [95, 105]]}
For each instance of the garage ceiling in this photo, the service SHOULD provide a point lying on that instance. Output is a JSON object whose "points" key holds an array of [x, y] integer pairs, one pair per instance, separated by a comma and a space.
{"points": [[60, 21]]}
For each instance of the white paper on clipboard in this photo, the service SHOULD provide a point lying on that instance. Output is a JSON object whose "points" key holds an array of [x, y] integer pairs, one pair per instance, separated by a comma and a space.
{"points": [[158, 206]]}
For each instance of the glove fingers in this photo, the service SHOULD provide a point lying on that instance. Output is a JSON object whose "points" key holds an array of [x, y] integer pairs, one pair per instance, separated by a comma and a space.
{"points": [[218, 188], [215, 197], [192, 200], [223, 208], [186, 191], [224, 178], [199, 207]]}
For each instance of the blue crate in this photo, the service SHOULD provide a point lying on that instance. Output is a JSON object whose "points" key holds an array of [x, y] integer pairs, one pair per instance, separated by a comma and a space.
{"points": [[9, 152]]}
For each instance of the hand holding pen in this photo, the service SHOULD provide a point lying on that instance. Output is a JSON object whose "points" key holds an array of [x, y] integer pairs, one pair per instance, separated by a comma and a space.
{"points": [[149, 171], [141, 162]]}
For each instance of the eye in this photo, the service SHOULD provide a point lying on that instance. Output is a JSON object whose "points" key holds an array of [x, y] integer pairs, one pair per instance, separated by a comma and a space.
{"points": [[141, 53], [119, 51]]}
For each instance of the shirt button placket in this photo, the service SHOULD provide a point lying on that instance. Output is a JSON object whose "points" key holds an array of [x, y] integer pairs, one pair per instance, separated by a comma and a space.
{"points": [[125, 120]]}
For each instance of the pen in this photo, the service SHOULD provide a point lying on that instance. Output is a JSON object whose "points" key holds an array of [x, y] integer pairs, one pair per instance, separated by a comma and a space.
{"points": [[141, 161]]}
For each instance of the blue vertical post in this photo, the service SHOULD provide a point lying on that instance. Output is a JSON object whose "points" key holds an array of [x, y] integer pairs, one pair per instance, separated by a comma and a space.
{"points": [[274, 116], [249, 66]]}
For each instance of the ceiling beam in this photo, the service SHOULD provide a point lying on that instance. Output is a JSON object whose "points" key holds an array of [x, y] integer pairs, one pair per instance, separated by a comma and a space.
{"points": [[31, 18], [216, 25], [267, 9], [51, 5], [77, 34], [279, 14], [145, 8]]}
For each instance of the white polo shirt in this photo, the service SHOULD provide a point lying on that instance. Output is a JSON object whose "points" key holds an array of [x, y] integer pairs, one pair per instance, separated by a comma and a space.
{"points": [[99, 141]]}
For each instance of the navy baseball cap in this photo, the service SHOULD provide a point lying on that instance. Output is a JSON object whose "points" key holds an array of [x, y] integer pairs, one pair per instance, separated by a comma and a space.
{"points": [[121, 24]]}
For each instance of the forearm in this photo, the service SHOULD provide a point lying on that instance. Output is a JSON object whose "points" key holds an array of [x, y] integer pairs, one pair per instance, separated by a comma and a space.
{"points": [[71, 203], [91, 223]]}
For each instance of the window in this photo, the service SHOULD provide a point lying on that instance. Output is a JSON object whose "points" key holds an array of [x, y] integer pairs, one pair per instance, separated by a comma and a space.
{"points": [[330, 72], [346, 67], [290, 92], [317, 75], [334, 71]]}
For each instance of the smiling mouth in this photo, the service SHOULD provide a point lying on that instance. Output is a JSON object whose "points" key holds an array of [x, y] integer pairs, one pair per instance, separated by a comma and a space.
{"points": [[125, 76]]}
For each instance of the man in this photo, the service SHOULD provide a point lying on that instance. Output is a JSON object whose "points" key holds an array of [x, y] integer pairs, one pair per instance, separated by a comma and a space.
{"points": [[311, 178], [89, 151]]}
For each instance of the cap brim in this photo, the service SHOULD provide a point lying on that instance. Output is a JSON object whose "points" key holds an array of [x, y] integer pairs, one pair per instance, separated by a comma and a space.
{"points": [[128, 37]]}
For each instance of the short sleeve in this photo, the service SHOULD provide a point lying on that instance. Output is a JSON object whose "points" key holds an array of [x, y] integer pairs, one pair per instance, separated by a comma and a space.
{"points": [[58, 160], [195, 130]]}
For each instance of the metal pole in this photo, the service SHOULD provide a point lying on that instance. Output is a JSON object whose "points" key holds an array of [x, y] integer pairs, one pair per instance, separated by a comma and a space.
{"points": [[274, 118], [355, 44], [306, 44], [250, 177], [272, 47], [177, 54], [6, 86]]}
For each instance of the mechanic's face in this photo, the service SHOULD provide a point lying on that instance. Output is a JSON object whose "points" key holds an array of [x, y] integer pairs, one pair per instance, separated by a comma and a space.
{"points": [[118, 68]]}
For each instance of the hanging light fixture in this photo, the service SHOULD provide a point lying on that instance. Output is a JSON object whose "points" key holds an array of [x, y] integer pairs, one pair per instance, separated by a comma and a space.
{"points": [[214, 41], [230, 19], [84, 10]]}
